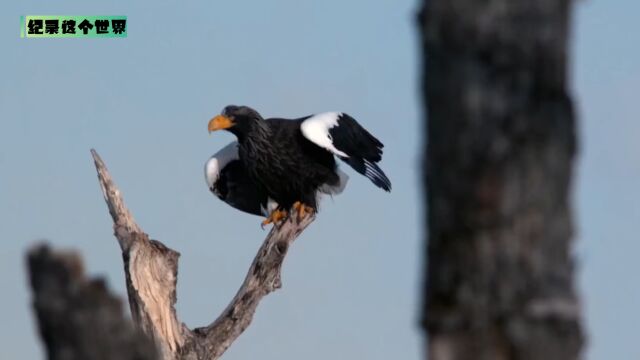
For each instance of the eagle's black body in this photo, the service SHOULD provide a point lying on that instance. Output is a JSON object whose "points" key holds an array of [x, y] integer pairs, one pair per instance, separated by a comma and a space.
{"points": [[288, 167], [236, 188]]}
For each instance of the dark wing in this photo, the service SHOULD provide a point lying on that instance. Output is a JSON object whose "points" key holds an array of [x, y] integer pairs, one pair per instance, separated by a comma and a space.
{"points": [[341, 135], [227, 178]]}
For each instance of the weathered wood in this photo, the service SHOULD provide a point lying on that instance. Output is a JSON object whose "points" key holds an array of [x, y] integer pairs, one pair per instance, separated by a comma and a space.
{"points": [[500, 130], [263, 277], [151, 274], [77, 317]]}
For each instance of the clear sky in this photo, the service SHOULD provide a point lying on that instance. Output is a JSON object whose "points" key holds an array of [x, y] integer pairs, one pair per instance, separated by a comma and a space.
{"points": [[351, 281]]}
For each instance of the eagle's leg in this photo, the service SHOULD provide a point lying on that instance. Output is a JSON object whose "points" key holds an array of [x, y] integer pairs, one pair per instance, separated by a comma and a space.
{"points": [[302, 209], [275, 216]]}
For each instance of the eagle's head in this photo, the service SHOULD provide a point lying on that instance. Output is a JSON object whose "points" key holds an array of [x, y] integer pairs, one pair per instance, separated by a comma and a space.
{"points": [[239, 120]]}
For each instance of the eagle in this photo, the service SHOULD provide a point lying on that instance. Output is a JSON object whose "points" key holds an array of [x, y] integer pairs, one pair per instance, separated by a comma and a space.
{"points": [[277, 165]]}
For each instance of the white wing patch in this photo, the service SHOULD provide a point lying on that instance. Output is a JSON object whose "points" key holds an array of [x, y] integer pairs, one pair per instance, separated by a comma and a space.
{"points": [[218, 161], [316, 129]]}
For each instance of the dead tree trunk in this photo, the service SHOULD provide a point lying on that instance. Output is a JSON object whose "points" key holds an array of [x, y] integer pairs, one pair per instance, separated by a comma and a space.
{"points": [[500, 131], [151, 275], [78, 318]]}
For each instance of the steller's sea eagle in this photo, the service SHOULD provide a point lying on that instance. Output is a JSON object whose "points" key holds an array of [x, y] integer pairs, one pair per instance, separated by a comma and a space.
{"points": [[277, 164]]}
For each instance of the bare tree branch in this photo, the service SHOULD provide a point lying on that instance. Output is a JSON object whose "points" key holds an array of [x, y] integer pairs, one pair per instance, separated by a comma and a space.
{"points": [[151, 275], [263, 277], [123, 222]]}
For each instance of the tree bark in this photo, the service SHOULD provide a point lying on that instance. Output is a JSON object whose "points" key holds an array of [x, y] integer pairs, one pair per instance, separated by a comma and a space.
{"points": [[500, 131], [151, 270]]}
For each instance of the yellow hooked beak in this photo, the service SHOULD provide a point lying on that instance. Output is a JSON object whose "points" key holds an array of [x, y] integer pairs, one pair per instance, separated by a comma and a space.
{"points": [[220, 122]]}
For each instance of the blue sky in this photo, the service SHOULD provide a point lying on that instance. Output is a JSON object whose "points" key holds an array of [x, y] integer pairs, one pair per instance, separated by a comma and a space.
{"points": [[351, 281]]}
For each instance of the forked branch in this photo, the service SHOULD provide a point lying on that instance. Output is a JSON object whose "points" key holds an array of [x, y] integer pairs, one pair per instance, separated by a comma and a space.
{"points": [[151, 275]]}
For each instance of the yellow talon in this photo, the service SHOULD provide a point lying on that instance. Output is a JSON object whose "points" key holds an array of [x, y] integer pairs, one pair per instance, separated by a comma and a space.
{"points": [[302, 209], [274, 217]]}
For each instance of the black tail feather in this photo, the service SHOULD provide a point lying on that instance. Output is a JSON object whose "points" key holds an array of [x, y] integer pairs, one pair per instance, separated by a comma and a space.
{"points": [[371, 170]]}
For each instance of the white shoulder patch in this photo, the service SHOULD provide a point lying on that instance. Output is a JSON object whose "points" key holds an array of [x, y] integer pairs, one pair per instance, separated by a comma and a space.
{"points": [[316, 129], [218, 161]]}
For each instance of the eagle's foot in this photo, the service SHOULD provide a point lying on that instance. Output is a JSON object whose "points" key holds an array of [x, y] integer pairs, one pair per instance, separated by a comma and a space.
{"points": [[275, 217], [302, 209]]}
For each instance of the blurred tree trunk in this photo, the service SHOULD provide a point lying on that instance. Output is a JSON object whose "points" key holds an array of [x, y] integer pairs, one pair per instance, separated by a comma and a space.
{"points": [[500, 134], [78, 318]]}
